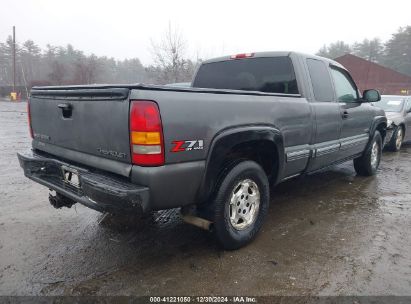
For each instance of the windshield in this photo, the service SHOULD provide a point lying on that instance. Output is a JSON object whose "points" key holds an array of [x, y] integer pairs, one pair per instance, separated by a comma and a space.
{"points": [[390, 103]]}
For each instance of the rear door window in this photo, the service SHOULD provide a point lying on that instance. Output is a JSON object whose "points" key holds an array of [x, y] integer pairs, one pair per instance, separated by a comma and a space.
{"points": [[271, 75], [320, 79]]}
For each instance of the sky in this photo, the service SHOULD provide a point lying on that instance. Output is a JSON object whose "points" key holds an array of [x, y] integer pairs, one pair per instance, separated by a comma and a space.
{"points": [[124, 28]]}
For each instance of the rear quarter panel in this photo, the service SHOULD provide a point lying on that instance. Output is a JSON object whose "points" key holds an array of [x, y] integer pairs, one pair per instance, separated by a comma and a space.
{"points": [[202, 116]]}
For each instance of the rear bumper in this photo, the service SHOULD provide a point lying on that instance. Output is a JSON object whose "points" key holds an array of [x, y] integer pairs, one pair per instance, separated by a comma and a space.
{"points": [[99, 191]]}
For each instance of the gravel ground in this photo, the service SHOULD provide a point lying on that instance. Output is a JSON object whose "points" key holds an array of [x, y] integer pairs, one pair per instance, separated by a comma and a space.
{"points": [[331, 233]]}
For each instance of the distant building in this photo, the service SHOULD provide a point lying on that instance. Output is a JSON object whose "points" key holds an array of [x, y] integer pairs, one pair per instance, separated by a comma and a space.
{"points": [[369, 75]]}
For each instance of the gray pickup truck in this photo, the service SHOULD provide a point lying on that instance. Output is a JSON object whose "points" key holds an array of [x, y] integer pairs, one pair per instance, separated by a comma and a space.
{"points": [[247, 122]]}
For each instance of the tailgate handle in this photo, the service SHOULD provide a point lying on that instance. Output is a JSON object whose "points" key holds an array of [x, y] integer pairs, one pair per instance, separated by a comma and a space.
{"points": [[66, 108]]}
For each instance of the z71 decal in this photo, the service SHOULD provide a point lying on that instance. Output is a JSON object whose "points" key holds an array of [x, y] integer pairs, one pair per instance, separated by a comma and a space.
{"points": [[187, 145]]}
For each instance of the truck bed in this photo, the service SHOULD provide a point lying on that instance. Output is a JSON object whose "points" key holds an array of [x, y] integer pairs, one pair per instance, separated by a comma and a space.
{"points": [[99, 125]]}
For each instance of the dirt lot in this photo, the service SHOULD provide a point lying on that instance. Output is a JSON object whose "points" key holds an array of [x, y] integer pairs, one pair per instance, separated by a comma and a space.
{"points": [[332, 233]]}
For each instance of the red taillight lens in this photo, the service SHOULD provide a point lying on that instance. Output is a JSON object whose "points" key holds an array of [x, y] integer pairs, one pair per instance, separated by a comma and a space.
{"points": [[146, 134], [29, 117]]}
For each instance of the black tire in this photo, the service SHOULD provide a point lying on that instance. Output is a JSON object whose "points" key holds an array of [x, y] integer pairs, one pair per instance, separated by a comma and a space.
{"points": [[395, 143], [241, 174], [364, 165]]}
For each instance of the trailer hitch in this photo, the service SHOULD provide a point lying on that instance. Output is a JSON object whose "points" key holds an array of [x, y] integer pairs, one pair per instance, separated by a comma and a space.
{"points": [[58, 201]]}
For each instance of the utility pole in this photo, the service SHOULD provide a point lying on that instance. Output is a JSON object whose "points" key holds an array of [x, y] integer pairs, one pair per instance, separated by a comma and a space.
{"points": [[14, 58]]}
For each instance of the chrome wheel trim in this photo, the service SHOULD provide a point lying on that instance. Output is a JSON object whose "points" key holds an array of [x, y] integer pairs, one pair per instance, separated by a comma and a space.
{"points": [[244, 204], [398, 140], [374, 155]]}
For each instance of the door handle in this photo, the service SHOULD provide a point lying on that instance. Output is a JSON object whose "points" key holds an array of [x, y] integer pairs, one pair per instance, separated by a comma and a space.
{"points": [[345, 115]]}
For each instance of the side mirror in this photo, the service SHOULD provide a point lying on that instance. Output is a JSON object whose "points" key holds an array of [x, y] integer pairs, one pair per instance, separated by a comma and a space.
{"points": [[371, 96]]}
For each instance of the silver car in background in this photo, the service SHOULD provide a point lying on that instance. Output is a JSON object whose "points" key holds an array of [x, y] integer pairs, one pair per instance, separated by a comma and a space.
{"points": [[398, 111]]}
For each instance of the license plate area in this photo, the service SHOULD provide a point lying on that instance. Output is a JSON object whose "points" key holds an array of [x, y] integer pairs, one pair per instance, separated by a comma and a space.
{"points": [[70, 176]]}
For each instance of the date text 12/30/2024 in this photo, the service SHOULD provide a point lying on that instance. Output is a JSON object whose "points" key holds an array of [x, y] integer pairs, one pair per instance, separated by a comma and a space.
{"points": [[203, 299]]}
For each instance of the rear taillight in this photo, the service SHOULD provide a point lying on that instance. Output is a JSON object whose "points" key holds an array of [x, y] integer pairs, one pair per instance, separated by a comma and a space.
{"points": [[29, 117], [146, 134]]}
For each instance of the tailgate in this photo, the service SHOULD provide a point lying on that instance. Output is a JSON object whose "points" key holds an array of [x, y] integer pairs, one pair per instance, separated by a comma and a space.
{"points": [[92, 122]]}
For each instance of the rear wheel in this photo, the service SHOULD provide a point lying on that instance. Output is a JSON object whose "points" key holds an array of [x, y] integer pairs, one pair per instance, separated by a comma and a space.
{"points": [[368, 163], [396, 140], [241, 204]]}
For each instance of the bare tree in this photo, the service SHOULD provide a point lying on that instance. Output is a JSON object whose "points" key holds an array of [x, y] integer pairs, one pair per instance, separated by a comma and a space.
{"points": [[169, 56], [85, 70], [58, 72], [30, 59]]}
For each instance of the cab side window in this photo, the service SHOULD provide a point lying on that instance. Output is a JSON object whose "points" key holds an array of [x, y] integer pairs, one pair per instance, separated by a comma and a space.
{"points": [[344, 87]]}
